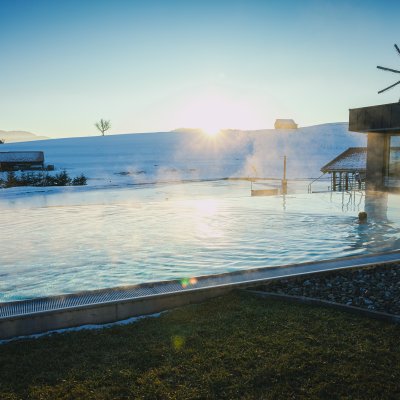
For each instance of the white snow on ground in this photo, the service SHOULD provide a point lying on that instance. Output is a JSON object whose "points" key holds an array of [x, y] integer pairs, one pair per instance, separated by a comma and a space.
{"points": [[89, 327], [170, 156]]}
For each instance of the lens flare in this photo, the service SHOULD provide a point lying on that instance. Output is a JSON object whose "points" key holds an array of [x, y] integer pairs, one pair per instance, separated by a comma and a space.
{"points": [[185, 282], [177, 342]]}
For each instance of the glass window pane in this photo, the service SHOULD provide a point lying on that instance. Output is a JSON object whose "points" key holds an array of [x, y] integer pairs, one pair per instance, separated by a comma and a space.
{"points": [[393, 171]]}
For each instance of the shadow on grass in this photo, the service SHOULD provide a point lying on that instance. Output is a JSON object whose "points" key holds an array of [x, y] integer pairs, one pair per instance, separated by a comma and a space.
{"points": [[237, 346]]}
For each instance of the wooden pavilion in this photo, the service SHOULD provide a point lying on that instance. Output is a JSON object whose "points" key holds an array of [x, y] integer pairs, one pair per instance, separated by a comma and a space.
{"points": [[348, 169]]}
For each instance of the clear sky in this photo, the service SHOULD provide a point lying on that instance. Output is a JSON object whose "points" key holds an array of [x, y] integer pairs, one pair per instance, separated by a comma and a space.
{"points": [[157, 65]]}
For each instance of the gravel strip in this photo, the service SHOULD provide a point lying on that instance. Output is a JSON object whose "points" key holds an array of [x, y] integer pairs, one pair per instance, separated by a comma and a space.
{"points": [[375, 288]]}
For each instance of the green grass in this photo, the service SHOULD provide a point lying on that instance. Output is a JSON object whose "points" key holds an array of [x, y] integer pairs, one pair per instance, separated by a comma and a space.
{"points": [[237, 346]]}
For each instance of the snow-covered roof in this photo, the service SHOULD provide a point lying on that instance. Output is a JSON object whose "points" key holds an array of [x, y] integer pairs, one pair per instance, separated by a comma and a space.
{"points": [[21, 157], [351, 160]]}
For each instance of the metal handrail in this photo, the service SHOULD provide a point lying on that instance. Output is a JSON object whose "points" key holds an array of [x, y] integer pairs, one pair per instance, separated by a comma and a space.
{"points": [[309, 185]]}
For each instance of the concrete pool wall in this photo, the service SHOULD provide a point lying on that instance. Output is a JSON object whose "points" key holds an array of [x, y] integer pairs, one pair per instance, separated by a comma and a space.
{"points": [[21, 318]]}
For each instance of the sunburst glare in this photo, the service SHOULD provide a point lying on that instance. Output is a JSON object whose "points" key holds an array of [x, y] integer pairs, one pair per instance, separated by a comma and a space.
{"points": [[211, 130], [214, 111]]}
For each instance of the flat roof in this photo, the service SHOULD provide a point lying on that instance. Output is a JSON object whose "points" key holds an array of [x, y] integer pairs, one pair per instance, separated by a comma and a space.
{"points": [[384, 118]]}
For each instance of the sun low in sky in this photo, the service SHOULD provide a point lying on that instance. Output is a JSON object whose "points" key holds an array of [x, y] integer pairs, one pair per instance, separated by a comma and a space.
{"points": [[164, 64], [214, 110], [211, 130]]}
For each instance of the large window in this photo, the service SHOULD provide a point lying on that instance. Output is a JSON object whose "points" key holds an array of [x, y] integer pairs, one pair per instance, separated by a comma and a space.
{"points": [[393, 162]]}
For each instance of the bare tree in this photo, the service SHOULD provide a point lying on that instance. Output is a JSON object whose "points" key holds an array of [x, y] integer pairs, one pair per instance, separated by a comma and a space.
{"points": [[103, 126]]}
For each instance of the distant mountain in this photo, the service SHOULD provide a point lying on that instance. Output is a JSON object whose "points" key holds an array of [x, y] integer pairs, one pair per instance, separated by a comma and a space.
{"points": [[19, 136]]}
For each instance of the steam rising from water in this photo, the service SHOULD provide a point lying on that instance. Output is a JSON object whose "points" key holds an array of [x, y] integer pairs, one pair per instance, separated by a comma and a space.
{"points": [[101, 238], [170, 156]]}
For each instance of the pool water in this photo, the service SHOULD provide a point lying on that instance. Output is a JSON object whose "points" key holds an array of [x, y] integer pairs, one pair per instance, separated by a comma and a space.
{"points": [[73, 240]]}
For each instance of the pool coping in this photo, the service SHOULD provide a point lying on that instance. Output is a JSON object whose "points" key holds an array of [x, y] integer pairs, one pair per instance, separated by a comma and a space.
{"points": [[25, 317]]}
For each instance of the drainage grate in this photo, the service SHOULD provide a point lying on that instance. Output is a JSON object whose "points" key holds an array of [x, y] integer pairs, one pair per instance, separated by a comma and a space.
{"points": [[142, 291]]}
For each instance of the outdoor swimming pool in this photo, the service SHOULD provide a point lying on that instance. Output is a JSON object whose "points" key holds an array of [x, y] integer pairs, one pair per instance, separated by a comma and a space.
{"points": [[70, 240]]}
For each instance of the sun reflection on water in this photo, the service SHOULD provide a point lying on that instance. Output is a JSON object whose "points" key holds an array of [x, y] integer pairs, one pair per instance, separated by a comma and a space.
{"points": [[204, 219], [83, 247]]}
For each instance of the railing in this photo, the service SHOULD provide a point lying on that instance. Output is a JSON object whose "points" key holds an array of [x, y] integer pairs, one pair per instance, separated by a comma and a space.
{"points": [[309, 189], [349, 183]]}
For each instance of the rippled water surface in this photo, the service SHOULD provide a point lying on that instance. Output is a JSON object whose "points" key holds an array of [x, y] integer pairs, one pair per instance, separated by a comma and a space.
{"points": [[68, 241]]}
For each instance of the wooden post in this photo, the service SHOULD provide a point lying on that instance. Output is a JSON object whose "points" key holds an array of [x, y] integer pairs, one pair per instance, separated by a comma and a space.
{"points": [[284, 181]]}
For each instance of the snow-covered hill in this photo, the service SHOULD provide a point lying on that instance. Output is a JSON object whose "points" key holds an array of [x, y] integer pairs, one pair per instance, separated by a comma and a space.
{"points": [[161, 156]]}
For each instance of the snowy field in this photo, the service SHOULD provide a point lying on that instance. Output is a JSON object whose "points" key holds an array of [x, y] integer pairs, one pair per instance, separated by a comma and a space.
{"points": [[120, 160]]}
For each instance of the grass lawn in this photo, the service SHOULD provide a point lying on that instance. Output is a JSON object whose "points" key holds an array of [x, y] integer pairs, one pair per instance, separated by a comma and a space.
{"points": [[234, 347]]}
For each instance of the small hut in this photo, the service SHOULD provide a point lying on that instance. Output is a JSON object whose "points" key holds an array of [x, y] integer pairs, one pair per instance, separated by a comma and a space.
{"points": [[285, 124], [348, 169], [21, 160]]}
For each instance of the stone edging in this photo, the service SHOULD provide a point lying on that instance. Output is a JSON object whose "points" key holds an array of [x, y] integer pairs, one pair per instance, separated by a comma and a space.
{"points": [[325, 303]]}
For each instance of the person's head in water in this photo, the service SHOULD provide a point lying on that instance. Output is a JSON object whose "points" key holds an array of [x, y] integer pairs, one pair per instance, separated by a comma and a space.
{"points": [[362, 216]]}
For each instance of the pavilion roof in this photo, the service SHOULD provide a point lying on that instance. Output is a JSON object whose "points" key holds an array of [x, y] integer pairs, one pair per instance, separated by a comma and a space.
{"points": [[351, 160]]}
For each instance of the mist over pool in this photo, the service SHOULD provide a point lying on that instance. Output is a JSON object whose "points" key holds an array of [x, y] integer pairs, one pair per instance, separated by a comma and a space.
{"points": [[68, 241]]}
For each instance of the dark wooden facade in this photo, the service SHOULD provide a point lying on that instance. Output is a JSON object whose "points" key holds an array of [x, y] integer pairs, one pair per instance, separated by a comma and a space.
{"points": [[21, 160]]}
